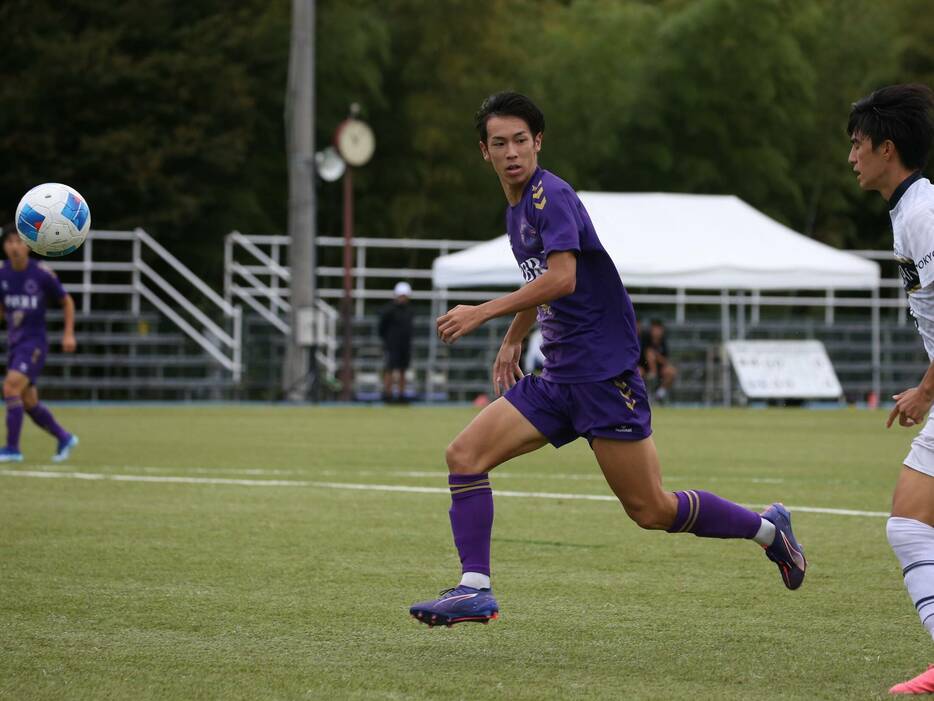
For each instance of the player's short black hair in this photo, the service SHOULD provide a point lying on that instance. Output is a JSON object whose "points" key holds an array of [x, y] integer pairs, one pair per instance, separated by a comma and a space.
{"points": [[902, 114], [509, 104], [8, 229]]}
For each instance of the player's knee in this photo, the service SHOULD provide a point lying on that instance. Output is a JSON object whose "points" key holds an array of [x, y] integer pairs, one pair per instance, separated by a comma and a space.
{"points": [[892, 532], [461, 459], [905, 532], [647, 515], [11, 389]]}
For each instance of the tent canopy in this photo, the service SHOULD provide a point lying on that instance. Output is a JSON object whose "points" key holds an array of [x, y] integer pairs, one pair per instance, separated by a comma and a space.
{"points": [[682, 241]]}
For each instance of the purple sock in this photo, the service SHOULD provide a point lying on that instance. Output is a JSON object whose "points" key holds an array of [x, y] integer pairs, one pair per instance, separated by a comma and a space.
{"points": [[44, 420], [709, 516], [472, 520], [14, 421]]}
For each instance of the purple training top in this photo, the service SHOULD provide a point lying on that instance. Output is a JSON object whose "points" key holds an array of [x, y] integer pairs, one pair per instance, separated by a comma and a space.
{"points": [[25, 296], [590, 334]]}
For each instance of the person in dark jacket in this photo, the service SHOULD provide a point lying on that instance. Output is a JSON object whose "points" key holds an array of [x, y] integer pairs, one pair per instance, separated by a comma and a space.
{"points": [[395, 328]]}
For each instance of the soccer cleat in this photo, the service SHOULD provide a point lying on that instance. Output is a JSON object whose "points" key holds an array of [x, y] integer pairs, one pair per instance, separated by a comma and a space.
{"points": [[922, 684], [457, 605], [9, 455], [785, 550], [64, 448]]}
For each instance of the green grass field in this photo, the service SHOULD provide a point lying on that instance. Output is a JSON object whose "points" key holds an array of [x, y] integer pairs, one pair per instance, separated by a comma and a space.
{"points": [[260, 574]]}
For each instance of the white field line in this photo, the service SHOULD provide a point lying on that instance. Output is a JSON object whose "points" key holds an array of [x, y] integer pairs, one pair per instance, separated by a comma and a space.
{"points": [[194, 470], [434, 474], [41, 474]]}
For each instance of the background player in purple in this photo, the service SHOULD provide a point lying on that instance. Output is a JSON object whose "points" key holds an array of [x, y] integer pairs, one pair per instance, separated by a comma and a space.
{"points": [[590, 385], [26, 287]]}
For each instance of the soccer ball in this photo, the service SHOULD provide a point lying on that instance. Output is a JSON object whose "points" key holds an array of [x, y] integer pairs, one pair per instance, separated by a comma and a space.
{"points": [[53, 219]]}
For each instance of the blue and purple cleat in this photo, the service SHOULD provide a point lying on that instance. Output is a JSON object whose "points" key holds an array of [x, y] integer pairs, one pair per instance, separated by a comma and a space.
{"points": [[785, 550], [10, 455], [457, 605], [64, 448]]}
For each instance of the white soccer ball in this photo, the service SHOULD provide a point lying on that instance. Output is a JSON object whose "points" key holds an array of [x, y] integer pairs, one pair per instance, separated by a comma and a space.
{"points": [[53, 219]]}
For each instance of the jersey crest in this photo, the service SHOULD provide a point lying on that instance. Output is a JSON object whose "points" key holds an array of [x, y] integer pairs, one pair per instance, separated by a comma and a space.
{"points": [[910, 276]]}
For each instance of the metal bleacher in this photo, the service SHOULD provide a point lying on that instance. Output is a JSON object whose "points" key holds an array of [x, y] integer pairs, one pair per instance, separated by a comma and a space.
{"points": [[148, 328], [122, 355], [842, 320], [462, 372]]}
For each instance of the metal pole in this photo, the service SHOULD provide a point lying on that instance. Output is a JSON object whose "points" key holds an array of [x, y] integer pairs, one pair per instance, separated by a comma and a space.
{"points": [[432, 348], [725, 358], [300, 129], [876, 346], [361, 282], [680, 303], [86, 277], [347, 299]]}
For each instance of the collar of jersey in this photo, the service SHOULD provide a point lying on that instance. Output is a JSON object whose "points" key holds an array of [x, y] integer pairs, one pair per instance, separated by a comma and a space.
{"points": [[903, 188]]}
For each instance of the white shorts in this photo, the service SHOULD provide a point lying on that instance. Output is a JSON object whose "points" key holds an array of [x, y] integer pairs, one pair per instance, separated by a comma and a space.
{"points": [[921, 455]]}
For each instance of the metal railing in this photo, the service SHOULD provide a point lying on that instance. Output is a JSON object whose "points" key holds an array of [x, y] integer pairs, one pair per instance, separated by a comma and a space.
{"points": [[221, 340], [256, 274], [263, 283]]}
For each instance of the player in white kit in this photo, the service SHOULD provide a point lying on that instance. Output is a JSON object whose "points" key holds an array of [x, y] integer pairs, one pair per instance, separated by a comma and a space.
{"points": [[891, 133]]}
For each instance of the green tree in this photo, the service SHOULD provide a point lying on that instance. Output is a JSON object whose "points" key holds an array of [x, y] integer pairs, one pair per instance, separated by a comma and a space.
{"points": [[154, 111], [860, 57], [722, 101]]}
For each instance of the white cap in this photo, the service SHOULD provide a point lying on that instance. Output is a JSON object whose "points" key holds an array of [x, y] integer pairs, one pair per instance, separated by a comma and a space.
{"points": [[402, 289]]}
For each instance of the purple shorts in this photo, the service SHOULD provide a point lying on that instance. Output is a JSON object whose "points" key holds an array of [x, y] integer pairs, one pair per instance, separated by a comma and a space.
{"points": [[28, 359], [617, 408]]}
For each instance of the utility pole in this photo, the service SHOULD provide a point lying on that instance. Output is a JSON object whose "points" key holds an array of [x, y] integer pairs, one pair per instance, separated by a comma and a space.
{"points": [[300, 364]]}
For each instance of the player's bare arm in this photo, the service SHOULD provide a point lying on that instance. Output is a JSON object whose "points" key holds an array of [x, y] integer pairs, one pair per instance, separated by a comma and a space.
{"points": [[68, 336], [506, 368], [912, 404], [558, 280]]}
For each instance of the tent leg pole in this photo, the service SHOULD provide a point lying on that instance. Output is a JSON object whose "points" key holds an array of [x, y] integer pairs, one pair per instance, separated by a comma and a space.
{"points": [[724, 358], [876, 345], [432, 350]]}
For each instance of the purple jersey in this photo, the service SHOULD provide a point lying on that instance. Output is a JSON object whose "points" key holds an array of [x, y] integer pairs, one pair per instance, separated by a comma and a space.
{"points": [[590, 334], [25, 296]]}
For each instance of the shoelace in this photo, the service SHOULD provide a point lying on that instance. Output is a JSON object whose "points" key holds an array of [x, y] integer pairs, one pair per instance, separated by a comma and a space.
{"points": [[446, 591]]}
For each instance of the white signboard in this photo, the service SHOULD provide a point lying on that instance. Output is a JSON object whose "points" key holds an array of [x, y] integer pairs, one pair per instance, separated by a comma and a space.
{"points": [[784, 369]]}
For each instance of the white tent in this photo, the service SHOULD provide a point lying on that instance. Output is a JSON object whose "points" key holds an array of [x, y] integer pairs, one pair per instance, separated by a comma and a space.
{"points": [[682, 242]]}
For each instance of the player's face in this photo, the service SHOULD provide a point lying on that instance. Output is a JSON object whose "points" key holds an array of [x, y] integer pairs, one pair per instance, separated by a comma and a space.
{"points": [[512, 150], [15, 249], [870, 164]]}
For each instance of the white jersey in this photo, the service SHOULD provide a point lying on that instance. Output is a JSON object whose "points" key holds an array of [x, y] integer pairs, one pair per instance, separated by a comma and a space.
{"points": [[913, 226]]}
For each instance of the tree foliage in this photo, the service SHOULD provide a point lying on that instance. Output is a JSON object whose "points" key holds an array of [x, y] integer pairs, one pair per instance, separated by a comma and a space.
{"points": [[169, 115]]}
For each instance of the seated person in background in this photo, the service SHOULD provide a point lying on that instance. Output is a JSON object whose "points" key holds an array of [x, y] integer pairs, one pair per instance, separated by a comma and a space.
{"points": [[654, 363]]}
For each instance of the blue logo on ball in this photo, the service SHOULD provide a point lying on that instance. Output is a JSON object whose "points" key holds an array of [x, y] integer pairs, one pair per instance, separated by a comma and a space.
{"points": [[76, 210], [29, 222]]}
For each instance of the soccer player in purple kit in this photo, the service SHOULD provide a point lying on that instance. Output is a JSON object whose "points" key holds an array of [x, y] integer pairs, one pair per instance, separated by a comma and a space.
{"points": [[26, 287], [590, 385]]}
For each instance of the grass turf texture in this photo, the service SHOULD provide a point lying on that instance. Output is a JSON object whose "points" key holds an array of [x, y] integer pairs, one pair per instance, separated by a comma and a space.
{"points": [[154, 590]]}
